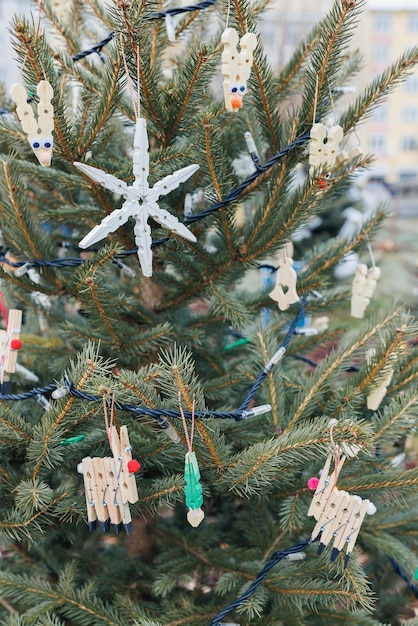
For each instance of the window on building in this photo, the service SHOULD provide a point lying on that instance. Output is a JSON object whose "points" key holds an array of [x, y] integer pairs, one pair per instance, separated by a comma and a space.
{"points": [[409, 114], [377, 142], [407, 176], [380, 114], [381, 53], [409, 143], [411, 84], [412, 22], [382, 22]]}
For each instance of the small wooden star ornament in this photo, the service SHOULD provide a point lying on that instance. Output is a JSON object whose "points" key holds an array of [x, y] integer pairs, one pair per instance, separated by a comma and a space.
{"points": [[39, 131], [140, 200]]}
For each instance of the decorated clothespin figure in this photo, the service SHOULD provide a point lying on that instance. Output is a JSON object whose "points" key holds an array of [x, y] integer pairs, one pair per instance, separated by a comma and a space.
{"points": [[140, 200], [339, 515], [236, 66], [109, 483], [364, 284], [324, 146], [193, 488], [39, 131], [348, 155], [285, 290], [9, 343], [379, 386]]}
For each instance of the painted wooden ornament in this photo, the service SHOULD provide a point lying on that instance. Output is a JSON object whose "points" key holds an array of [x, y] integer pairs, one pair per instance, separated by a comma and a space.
{"points": [[39, 131], [285, 290], [364, 284], [236, 66]]}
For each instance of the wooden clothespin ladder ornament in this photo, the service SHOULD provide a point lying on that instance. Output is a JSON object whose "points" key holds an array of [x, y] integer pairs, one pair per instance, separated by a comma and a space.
{"points": [[379, 386], [339, 515], [284, 293], [193, 488], [9, 343], [236, 66], [364, 284], [39, 131], [109, 483]]}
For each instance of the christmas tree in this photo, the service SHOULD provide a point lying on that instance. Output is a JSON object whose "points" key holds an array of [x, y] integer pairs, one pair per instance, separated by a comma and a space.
{"points": [[151, 338]]}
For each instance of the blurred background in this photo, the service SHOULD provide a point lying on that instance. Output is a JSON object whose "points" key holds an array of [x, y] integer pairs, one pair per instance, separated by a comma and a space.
{"points": [[386, 29]]}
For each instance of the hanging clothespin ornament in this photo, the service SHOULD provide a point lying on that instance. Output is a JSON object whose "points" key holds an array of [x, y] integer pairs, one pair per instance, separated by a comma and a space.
{"points": [[10, 343], [39, 131], [348, 155], [364, 284], [193, 488], [109, 483], [339, 515], [380, 384], [140, 200], [285, 290], [236, 66], [324, 146]]}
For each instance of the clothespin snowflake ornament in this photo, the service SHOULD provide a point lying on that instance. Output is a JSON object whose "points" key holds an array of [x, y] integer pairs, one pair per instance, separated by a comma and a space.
{"points": [[140, 200], [109, 485], [364, 284], [339, 515], [39, 131], [236, 66], [285, 290]]}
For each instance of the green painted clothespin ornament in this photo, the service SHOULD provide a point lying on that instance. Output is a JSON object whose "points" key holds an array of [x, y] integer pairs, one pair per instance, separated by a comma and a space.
{"points": [[193, 488]]}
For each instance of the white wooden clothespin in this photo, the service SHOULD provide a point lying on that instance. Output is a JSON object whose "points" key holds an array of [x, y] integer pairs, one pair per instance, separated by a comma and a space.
{"points": [[384, 377], [140, 200], [236, 66], [109, 485], [39, 131], [285, 290], [364, 284], [10, 344]]}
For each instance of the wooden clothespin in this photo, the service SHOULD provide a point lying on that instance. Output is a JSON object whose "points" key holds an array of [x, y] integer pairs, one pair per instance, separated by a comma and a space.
{"points": [[364, 284], [39, 131], [285, 290], [339, 515], [236, 66], [348, 155], [110, 486], [379, 386], [9, 343]]}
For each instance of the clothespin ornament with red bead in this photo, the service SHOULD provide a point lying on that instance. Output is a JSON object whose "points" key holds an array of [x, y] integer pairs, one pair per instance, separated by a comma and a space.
{"points": [[109, 484], [284, 293], [9, 341], [39, 131], [364, 284], [236, 66], [339, 515]]}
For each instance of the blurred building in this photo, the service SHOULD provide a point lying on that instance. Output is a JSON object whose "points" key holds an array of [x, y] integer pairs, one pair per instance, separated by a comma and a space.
{"points": [[388, 28], [8, 68]]}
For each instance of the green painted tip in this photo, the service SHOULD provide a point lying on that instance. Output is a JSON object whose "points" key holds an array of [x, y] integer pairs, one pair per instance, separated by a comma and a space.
{"points": [[71, 440]]}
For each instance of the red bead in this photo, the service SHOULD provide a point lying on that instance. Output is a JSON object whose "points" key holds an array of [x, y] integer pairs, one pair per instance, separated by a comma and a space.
{"points": [[322, 183], [134, 466], [15, 344], [313, 483]]}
